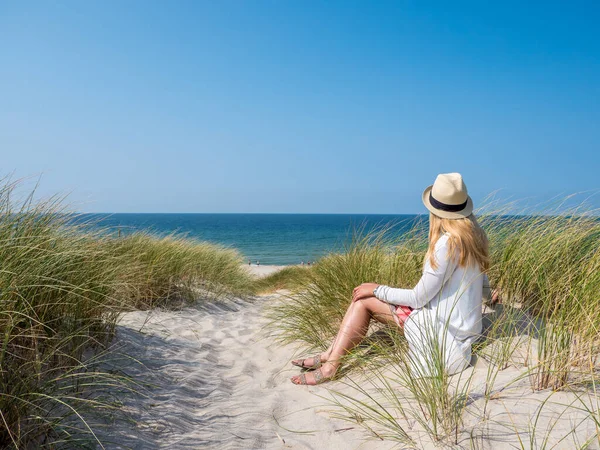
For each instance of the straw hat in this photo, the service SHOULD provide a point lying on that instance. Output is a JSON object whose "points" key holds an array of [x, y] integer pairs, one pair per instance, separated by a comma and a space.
{"points": [[447, 197]]}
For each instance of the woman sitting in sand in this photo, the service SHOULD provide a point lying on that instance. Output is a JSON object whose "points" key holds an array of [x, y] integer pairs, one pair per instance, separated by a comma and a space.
{"points": [[443, 312]]}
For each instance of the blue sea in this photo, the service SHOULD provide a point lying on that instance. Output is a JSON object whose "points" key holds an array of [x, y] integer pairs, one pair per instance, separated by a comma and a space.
{"points": [[279, 239]]}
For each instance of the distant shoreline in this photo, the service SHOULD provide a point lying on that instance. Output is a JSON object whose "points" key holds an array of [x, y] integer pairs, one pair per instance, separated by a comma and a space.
{"points": [[267, 269], [272, 239]]}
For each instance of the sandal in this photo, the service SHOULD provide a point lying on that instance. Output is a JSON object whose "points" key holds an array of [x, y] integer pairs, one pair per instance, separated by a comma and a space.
{"points": [[315, 365], [319, 378]]}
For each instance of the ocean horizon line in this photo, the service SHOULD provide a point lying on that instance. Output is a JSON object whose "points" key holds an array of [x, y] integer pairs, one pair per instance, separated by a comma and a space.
{"points": [[262, 213]]}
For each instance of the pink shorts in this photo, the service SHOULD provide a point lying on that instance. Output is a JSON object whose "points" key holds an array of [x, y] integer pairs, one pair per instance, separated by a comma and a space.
{"points": [[400, 313]]}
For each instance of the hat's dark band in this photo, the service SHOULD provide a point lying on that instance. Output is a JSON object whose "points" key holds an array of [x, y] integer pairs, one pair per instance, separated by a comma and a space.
{"points": [[445, 206]]}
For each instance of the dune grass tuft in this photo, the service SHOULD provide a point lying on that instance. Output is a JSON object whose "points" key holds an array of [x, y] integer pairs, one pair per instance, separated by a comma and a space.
{"points": [[175, 270], [63, 285]]}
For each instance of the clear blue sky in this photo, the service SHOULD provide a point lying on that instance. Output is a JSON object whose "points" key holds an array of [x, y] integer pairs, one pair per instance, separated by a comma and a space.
{"points": [[298, 106]]}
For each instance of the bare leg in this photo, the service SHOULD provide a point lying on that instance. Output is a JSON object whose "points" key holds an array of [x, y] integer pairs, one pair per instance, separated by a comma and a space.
{"points": [[379, 311], [352, 330], [326, 353]]}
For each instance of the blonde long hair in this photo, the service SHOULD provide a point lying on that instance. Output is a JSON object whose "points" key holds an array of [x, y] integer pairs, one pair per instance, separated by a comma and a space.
{"points": [[466, 236]]}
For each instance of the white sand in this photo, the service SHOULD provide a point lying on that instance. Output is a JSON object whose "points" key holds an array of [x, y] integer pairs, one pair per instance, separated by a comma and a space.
{"points": [[215, 379], [218, 382], [262, 271]]}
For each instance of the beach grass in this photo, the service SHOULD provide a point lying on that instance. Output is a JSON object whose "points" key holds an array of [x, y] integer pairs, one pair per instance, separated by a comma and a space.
{"points": [[172, 270], [63, 284], [547, 266]]}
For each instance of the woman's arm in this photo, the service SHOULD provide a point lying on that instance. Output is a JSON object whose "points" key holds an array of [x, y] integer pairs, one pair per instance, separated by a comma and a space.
{"points": [[428, 286]]}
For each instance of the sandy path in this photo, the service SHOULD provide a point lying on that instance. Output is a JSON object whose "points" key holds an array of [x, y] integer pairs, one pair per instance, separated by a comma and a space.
{"points": [[213, 378], [217, 381]]}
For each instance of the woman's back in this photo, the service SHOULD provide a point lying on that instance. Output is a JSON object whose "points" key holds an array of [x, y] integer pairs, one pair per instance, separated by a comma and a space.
{"points": [[459, 302], [450, 317]]}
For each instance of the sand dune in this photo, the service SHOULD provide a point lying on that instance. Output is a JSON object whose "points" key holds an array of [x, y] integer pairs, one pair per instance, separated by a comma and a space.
{"points": [[213, 378]]}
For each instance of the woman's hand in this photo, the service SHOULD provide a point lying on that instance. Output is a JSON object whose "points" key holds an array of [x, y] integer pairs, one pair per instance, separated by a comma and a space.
{"points": [[363, 291], [496, 296]]}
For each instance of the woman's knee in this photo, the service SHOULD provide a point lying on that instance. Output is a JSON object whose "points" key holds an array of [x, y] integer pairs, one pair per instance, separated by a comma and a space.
{"points": [[368, 302], [358, 307]]}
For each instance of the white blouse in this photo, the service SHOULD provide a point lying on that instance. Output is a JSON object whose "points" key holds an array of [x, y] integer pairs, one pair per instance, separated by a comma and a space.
{"points": [[447, 303]]}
